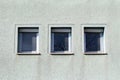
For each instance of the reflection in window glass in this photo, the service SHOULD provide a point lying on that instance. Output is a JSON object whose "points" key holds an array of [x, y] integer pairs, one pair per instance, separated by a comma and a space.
{"points": [[92, 41], [61, 41], [28, 42]]}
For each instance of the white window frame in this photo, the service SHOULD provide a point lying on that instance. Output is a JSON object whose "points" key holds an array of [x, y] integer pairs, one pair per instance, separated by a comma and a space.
{"points": [[102, 39], [51, 46], [29, 29]]}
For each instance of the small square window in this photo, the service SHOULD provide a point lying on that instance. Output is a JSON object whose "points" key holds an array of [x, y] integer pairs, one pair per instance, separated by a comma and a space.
{"points": [[94, 40], [28, 40], [61, 39]]}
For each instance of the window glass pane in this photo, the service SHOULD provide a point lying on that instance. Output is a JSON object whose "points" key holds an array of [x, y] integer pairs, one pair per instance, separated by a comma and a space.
{"points": [[27, 41], [60, 41], [92, 41]]}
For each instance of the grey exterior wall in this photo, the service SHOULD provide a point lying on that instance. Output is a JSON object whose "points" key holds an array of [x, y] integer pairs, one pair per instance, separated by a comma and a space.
{"points": [[59, 67]]}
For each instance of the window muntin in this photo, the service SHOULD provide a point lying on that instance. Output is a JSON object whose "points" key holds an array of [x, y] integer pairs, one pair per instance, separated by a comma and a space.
{"points": [[28, 40], [94, 39], [60, 39]]}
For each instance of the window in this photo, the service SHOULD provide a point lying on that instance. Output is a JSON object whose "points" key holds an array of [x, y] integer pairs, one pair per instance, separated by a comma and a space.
{"points": [[94, 40], [28, 40], [60, 39]]}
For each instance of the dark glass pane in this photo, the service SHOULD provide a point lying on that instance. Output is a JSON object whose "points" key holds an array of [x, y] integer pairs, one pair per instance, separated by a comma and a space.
{"points": [[60, 41], [92, 41], [27, 41]]}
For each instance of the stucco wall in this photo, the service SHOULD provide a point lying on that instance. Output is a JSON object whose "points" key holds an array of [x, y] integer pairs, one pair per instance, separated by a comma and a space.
{"points": [[59, 67]]}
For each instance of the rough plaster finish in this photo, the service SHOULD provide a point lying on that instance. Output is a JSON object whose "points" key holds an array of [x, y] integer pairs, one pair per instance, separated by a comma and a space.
{"points": [[59, 67]]}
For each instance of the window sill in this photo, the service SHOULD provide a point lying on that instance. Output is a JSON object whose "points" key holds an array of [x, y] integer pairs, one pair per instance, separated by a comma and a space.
{"points": [[62, 53], [28, 53], [95, 53]]}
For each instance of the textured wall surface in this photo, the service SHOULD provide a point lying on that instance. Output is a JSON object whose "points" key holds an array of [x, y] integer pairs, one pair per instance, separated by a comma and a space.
{"points": [[59, 67]]}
